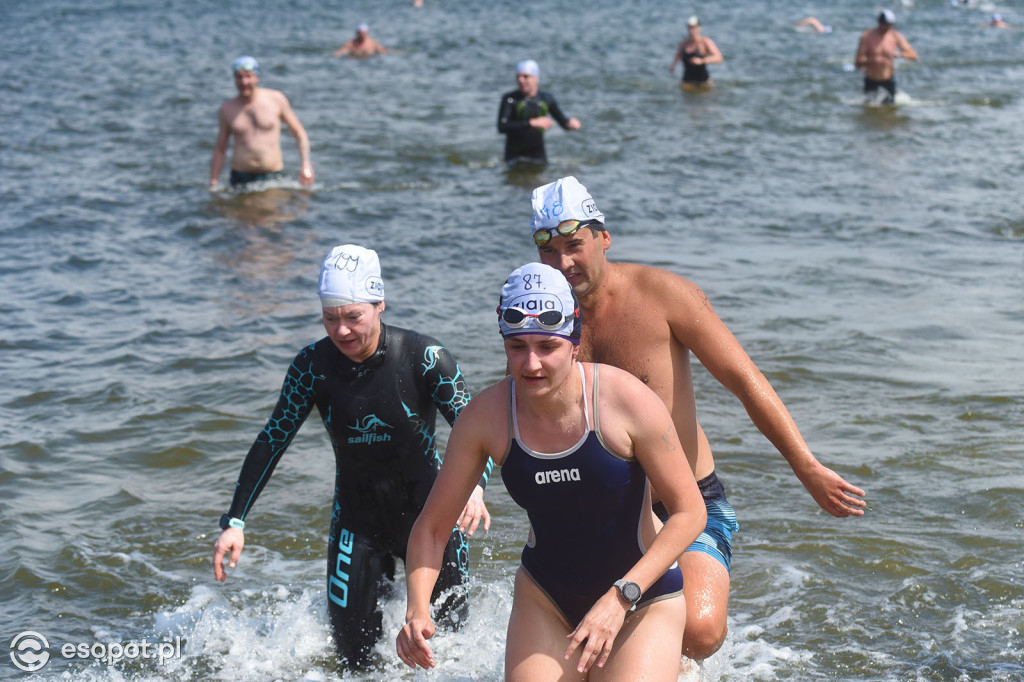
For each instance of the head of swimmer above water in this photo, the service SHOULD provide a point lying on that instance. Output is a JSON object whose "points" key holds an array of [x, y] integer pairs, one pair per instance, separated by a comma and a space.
{"points": [[351, 294], [536, 299], [246, 71], [561, 208], [528, 77]]}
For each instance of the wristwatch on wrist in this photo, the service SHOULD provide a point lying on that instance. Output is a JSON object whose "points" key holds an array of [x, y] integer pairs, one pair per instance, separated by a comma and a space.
{"points": [[629, 590], [228, 521]]}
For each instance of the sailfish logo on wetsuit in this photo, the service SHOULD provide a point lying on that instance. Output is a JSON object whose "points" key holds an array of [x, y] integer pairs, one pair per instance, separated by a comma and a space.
{"points": [[430, 357], [367, 428]]}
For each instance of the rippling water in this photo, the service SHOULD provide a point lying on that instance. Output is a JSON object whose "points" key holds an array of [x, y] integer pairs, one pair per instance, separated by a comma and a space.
{"points": [[870, 260]]}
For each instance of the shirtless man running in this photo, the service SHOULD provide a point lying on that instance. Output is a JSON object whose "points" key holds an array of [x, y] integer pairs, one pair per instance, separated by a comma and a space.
{"points": [[254, 119], [876, 53], [647, 321]]}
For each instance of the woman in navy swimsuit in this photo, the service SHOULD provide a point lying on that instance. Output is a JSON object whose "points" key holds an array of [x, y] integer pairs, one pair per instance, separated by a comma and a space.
{"points": [[577, 444]]}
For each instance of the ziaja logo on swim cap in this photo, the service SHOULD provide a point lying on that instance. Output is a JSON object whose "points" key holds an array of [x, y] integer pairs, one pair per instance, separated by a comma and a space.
{"points": [[375, 286], [557, 476], [589, 207], [536, 303]]}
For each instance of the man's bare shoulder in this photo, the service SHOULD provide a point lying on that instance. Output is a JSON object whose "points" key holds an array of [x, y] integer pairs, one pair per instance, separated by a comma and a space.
{"points": [[647, 278], [269, 94], [663, 293]]}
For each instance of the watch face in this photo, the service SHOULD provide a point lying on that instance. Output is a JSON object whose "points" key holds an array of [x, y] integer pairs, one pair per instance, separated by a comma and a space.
{"points": [[630, 592]]}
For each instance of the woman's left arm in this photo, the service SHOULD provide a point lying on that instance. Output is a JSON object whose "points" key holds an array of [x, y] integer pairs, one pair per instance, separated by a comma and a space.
{"points": [[638, 411]]}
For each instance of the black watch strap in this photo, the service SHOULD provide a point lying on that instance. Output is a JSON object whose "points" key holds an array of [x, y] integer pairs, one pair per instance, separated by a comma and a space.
{"points": [[228, 521]]}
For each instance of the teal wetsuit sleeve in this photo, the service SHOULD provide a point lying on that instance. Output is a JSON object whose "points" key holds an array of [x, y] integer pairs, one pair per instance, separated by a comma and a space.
{"points": [[450, 393], [293, 406]]}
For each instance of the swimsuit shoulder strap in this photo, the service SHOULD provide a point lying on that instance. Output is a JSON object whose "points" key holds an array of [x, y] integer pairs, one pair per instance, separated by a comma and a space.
{"points": [[513, 423]]}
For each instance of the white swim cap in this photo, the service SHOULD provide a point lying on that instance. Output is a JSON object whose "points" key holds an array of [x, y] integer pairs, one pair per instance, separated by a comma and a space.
{"points": [[693, 20], [363, 27], [529, 67], [350, 274], [564, 199], [887, 16], [536, 299]]}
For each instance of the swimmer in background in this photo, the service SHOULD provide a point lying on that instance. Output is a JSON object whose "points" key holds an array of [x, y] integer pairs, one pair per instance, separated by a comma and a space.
{"points": [[695, 52], [361, 46], [814, 24], [525, 114], [876, 55], [997, 21], [254, 119]]}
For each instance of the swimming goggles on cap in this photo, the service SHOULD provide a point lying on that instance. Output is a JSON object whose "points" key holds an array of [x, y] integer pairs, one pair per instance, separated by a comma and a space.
{"points": [[564, 228], [549, 319]]}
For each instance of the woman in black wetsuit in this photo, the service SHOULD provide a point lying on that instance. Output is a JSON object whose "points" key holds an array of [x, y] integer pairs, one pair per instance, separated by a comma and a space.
{"points": [[695, 52], [378, 390]]}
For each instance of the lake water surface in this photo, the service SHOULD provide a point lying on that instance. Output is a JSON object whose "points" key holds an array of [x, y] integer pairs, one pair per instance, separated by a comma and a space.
{"points": [[869, 260]]}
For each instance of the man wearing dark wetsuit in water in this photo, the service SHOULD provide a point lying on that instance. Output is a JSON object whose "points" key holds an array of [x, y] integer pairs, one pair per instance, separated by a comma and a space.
{"points": [[526, 113], [378, 390]]}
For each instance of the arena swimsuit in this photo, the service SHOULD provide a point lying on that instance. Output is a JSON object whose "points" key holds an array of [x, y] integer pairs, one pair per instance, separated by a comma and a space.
{"points": [[585, 506], [523, 141], [241, 178], [716, 538], [380, 417]]}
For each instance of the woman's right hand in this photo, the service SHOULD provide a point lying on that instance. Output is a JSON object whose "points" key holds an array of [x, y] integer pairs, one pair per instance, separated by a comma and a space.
{"points": [[412, 643], [599, 627]]}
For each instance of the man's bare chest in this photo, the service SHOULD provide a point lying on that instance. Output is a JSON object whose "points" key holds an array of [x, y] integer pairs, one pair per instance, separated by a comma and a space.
{"points": [[254, 120]]}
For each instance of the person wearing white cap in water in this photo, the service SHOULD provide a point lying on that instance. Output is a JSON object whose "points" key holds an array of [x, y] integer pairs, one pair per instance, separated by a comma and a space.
{"points": [[378, 390], [526, 113], [996, 21], [577, 444], [361, 46], [695, 52], [254, 119], [876, 53], [648, 321]]}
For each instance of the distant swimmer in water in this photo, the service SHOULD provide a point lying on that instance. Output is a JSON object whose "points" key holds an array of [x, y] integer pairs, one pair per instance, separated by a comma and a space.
{"points": [[378, 390], [814, 24], [360, 46], [695, 52], [527, 113], [997, 21], [876, 53], [253, 119], [598, 584]]}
